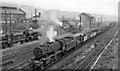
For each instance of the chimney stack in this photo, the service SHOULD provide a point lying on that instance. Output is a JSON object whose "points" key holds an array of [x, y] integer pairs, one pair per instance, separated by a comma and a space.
{"points": [[39, 14]]}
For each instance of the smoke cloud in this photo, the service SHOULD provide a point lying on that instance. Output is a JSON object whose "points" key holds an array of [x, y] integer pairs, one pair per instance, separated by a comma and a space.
{"points": [[48, 25], [50, 34]]}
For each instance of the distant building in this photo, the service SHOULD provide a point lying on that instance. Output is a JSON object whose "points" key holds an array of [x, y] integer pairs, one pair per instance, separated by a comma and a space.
{"points": [[16, 14], [87, 20]]}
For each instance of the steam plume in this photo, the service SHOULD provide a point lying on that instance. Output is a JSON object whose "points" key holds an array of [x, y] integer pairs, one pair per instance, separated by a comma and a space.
{"points": [[48, 25], [50, 34]]}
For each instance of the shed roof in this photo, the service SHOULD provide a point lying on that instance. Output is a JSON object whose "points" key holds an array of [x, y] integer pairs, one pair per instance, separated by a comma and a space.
{"points": [[13, 10], [87, 14]]}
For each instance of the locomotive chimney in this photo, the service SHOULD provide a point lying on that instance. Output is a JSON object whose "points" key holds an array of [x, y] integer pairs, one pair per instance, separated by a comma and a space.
{"points": [[39, 14]]}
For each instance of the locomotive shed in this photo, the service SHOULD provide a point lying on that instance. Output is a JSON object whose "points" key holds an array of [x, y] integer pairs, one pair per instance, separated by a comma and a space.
{"points": [[73, 60]]}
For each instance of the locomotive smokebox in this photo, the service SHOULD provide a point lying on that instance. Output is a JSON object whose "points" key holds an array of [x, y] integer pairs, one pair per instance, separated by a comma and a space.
{"points": [[37, 52]]}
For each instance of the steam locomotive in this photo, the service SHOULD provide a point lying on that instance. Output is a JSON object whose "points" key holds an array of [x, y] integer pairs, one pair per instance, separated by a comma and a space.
{"points": [[49, 52], [9, 39]]}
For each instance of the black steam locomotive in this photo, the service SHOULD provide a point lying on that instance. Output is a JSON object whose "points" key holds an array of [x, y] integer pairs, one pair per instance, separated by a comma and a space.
{"points": [[9, 39], [49, 52]]}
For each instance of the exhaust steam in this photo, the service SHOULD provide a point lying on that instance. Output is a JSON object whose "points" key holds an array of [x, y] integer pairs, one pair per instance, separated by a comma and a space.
{"points": [[48, 25]]}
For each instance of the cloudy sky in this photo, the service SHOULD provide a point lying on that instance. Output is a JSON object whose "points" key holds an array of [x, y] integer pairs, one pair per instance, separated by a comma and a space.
{"points": [[107, 7]]}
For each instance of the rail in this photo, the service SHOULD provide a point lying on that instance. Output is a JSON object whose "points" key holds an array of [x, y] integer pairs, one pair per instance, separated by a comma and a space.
{"points": [[10, 57], [25, 64], [86, 64]]}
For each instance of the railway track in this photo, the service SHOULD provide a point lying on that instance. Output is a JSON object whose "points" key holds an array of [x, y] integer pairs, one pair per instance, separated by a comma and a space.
{"points": [[100, 40], [86, 64], [71, 51], [111, 42], [25, 64], [9, 58]]}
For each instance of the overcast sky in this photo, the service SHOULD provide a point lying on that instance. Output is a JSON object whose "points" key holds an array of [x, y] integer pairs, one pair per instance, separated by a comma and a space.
{"points": [[108, 7]]}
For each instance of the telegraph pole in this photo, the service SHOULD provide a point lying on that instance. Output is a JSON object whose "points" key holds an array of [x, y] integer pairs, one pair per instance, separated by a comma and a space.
{"points": [[35, 14], [90, 23], [11, 34], [101, 20], [80, 25], [10, 21], [98, 22], [35, 19], [6, 21], [94, 23]]}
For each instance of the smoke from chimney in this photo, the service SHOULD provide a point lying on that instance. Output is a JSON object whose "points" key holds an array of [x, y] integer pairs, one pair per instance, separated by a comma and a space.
{"points": [[50, 34], [48, 24]]}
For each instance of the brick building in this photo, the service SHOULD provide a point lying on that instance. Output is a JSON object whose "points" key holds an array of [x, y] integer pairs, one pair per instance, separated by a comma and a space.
{"points": [[87, 20]]}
